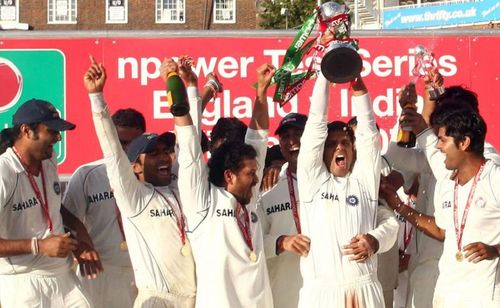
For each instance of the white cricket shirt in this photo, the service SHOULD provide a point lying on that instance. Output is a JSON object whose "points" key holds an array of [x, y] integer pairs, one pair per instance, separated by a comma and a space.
{"points": [[22, 217], [150, 227], [225, 274]]}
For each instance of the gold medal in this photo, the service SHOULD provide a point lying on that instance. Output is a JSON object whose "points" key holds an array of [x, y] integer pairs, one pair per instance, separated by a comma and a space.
{"points": [[123, 246], [185, 250], [459, 256], [253, 256]]}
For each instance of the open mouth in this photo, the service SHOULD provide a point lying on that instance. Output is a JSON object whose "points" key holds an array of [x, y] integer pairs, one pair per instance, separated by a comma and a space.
{"points": [[294, 149], [340, 161], [163, 170]]}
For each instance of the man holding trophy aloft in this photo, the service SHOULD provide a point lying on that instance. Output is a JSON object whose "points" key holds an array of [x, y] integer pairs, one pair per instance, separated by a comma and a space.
{"points": [[338, 185]]}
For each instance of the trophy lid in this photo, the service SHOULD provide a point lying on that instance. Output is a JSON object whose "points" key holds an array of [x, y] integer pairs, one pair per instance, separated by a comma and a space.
{"points": [[331, 9]]}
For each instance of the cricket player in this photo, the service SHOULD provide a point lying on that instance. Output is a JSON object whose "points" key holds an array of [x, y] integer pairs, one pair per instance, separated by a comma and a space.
{"points": [[152, 215], [338, 181], [221, 209]]}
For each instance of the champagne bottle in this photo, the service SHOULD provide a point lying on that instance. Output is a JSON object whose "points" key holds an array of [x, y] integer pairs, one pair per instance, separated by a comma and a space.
{"points": [[177, 95], [406, 138]]}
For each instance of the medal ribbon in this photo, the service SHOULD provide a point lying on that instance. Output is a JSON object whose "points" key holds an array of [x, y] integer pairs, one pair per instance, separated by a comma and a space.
{"points": [[293, 200], [459, 233], [244, 224], [43, 202], [179, 219]]}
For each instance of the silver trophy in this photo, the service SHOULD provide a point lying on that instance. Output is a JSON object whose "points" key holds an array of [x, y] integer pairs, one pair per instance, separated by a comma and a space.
{"points": [[424, 64], [341, 62]]}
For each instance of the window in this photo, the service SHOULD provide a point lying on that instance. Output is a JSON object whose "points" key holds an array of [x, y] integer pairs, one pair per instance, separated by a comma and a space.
{"points": [[116, 11], [170, 11], [225, 11], [62, 11], [9, 11]]}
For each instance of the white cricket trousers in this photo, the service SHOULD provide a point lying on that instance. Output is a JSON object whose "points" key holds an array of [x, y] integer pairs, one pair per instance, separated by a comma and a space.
{"points": [[42, 291], [362, 292], [154, 299], [113, 288]]}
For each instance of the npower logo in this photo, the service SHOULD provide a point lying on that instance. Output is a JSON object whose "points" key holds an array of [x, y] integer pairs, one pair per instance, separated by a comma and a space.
{"points": [[32, 73], [12, 84]]}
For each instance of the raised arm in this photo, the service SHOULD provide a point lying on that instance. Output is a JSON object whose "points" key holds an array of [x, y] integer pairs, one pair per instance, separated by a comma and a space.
{"points": [[367, 139], [193, 175], [310, 160], [121, 177], [257, 132]]}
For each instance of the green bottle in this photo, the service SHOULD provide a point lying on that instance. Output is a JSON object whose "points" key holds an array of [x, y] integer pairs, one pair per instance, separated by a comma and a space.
{"points": [[177, 95]]}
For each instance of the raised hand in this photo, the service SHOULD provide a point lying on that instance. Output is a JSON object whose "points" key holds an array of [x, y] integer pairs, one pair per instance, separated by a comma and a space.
{"points": [[410, 117], [168, 66], [265, 73], [186, 71], [433, 78], [408, 95], [95, 77], [57, 245], [270, 177]]}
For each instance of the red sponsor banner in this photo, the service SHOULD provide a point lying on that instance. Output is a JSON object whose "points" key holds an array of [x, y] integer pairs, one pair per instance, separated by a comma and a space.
{"points": [[133, 78]]}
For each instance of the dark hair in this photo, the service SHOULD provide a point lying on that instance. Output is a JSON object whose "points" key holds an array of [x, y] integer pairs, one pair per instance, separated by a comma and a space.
{"points": [[461, 122], [227, 129], [129, 118], [459, 94], [6, 139], [339, 126], [204, 142], [228, 156], [273, 153], [353, 121]]}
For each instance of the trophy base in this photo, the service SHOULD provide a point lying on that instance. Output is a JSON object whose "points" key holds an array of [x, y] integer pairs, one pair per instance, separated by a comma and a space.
{"points": [[341, 65]]}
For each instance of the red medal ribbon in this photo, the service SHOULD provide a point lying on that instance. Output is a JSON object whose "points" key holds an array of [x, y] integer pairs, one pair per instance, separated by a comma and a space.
{"points": [[179, 219], [244, 224], [459, 233], [43, 201], [293, 200]]}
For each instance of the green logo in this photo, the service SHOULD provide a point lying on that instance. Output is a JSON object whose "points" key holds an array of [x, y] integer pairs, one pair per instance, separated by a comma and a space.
{"points": [[32, 73]]}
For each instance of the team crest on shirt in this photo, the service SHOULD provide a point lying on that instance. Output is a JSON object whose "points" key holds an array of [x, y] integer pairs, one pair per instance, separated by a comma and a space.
{"points": [[446, 204], [57, 188], [254, 217], [480, 203], [352, 200]]}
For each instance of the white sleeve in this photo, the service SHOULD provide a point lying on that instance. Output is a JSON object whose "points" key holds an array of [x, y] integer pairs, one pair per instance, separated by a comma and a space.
{"points": [[258, 140], [195, 108], [439, 216], [367, 145], [491, 153], [427, 141], [310, 166], [127, 189], [387, 228], [75, 199], [194, 188]]}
